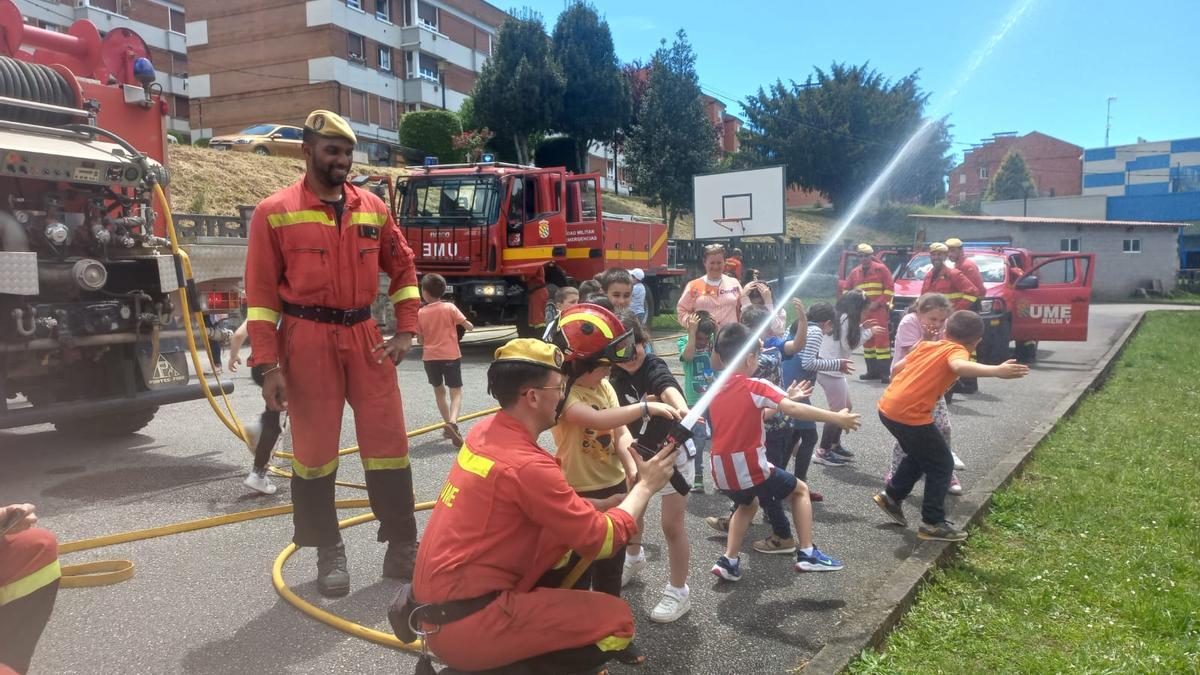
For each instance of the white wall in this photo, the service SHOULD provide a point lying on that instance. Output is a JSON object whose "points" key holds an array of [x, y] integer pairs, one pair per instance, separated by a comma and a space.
{"points": [[1086, 207]]}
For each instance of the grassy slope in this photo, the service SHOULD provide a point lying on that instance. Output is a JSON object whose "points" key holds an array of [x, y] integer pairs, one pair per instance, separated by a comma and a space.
{"points": [[1088, 563]]}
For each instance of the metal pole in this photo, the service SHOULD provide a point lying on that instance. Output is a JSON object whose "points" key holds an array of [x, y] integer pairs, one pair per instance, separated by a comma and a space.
{"points": [[1108, 119]]}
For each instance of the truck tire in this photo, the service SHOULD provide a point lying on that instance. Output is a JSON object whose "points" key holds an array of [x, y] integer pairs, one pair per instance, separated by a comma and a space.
{"points": [[106, 426]]}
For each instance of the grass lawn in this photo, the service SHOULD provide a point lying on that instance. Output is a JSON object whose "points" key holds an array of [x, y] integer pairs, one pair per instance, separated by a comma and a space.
{"points": [[1091, 561]]}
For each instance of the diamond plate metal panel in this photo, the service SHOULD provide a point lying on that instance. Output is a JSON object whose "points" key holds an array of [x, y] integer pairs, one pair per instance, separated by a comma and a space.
{"points": [[168, 280], [18, 273]]}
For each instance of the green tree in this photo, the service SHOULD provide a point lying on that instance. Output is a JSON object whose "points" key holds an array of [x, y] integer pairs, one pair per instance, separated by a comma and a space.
{"points": [[836, 130], [595, 102], [1012, 180], [519, 91], [673, 139], [432, 132]]}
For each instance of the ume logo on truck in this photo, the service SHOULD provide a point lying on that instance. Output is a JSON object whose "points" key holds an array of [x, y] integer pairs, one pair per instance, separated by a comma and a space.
{"points": [[439, 250], [1046, 314]]}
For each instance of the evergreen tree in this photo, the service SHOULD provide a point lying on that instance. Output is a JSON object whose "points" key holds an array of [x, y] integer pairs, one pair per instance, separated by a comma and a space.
{"points": [[673, 139], [1012, 180], [520, 89], [595, 102]]}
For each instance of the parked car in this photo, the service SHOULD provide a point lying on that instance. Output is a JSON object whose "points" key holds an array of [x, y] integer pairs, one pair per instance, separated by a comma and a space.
{"points": [[262, 139]]}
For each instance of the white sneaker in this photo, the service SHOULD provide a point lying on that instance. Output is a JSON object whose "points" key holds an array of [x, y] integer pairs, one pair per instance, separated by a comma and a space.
{"points": [[260, 483], [958, 463], [253, 431], [632, 569], [670, 607]]}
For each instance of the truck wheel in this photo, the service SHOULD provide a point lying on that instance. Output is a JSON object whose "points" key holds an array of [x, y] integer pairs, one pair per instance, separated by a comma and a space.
{"points": [[106, 426]]}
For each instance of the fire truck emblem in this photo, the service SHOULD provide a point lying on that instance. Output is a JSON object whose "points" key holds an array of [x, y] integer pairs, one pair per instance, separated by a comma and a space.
{"points": [[544, 229], [1046, 314]]}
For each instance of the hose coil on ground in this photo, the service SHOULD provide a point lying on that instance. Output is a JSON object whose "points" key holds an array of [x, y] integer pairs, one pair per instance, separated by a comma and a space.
{"points": [[34, 82]]}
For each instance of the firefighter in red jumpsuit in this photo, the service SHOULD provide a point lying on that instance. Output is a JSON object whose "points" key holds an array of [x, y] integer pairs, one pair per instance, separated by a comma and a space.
{"points": [[956, 286], [29, 575], [506, 516], [967, 266], [874, 279], [312, 271]]}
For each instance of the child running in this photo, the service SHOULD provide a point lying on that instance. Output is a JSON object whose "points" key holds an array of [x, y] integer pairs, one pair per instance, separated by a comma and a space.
{"points": [[740, 467], [906, 409], [261, 435], [438, 324], [821, 321], [695, 354], [924, 321]]}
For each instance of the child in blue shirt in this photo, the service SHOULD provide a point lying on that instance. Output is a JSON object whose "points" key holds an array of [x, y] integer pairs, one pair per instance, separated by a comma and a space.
{"points": [[695, 353]]}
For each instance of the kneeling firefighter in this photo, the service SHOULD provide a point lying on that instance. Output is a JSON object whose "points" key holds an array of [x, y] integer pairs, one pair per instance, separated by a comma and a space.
{"points": [[316, 250], [506, 516]]}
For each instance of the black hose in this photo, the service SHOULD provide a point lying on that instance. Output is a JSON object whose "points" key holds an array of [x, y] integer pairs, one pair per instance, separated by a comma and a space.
{"points": [[38, 83]]}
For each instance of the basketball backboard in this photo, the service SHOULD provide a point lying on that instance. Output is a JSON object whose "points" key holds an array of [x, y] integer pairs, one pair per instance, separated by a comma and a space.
{"points": [[739, 203]]}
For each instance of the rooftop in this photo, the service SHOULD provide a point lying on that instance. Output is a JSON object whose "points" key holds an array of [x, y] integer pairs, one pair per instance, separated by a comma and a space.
{"points": [[1047, 221]]}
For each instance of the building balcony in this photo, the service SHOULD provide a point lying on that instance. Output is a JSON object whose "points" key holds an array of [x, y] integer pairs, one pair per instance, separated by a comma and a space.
{"points": [[428, 40], [428, 93]]}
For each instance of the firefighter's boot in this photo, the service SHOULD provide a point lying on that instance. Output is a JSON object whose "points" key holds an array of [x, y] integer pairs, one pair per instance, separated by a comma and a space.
{"points": [[391, 495], [885, 370], [333, 575], [872, 370]]}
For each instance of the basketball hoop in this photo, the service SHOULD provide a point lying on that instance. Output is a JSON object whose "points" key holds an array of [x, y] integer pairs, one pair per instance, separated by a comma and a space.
{"points": [[729, 223]]}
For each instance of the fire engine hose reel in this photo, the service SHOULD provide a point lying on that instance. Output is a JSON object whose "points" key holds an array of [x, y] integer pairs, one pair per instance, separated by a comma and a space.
{"points": [[37, 83]]}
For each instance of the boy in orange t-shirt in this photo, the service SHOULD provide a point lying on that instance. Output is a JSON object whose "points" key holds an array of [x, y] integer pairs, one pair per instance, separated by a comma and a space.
{"points": [[906, 409], [438, 323]]}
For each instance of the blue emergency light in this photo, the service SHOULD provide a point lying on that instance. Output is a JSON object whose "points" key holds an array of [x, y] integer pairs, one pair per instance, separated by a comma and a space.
{"points": [[431, 161], [487, 158]]}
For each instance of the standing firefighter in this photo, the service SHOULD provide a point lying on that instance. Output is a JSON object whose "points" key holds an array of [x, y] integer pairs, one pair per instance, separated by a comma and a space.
{"points": [[965, 265], [316, 251], [956, 286], [874, 279]]}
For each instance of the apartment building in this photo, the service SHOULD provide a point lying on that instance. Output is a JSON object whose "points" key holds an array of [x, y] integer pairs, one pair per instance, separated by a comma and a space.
{"points": [[1056, 166], [371, 61], [161, 24]]}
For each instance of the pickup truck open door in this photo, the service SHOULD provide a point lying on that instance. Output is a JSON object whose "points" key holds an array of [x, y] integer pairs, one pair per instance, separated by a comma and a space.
{"points": [[1051, 299]]}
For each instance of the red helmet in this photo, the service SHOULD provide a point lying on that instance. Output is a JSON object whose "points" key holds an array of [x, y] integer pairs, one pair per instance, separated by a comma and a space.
{"points": [[587, 331]]}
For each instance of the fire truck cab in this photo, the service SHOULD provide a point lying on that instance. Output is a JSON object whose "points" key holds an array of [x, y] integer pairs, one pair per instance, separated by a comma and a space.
{"points": [[500, 233]]}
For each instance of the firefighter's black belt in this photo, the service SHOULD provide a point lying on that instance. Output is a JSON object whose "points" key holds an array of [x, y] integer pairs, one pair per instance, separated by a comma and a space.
{"points": [[454, 610], [341, 317]]}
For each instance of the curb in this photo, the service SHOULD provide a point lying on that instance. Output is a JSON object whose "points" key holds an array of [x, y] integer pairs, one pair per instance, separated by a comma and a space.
{"points": [[868, 625]]}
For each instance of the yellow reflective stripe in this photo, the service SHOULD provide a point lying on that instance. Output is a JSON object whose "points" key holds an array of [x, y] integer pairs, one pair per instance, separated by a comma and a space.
{"points": [[889, 292], [612, 643], [578, 253], [313, 472], [527, 253], [662, 239], [30, 583], [368, 218], [606, 550], [873, 294], [296, 217], [384, 463], [870, 284], [968, 298], [472, 463], [405, 293], [614, 254], [952, 296], [883, 353], [594, 320], [262, 314], [563, 562]]}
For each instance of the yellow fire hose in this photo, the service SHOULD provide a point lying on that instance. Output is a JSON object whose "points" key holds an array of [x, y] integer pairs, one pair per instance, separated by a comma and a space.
{"points": [[107, 572]]}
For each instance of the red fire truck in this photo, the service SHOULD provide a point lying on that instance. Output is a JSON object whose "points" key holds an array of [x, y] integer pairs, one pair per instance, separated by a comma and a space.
{"points": [[90, 333], [500, 233]]}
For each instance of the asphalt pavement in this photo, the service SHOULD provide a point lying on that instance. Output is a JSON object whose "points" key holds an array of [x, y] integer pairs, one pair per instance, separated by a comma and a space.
{"points": [[202, 602]]}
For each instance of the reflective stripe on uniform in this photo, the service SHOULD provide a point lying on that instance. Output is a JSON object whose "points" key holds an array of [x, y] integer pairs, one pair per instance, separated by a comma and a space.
{"points": [[383, 463], [968, 298], [889, 292], [296, 217], [262, 314], [613, 643], [883, 353], [869, 284], [31, 583], [606, 550], [477, 464], [368, 218], [314, 472], [405, 293]]}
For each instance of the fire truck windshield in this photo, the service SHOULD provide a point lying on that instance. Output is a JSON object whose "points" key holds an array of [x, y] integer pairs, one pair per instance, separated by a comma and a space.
{"points": [[991, 267], [448, 201]]}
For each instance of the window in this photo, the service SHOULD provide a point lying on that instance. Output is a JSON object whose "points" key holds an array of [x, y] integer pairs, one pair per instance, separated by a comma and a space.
{"points": [[1068, 245], [356, 48], [177, 21], [1131, 245], [962, 179], [428, 67], [290, 133], [358, 106], [427, 15], [182, 110], [107, 5], [179, 64], [354, 4], [383, 10], [387, 114], [385, 59], [983, 173]]}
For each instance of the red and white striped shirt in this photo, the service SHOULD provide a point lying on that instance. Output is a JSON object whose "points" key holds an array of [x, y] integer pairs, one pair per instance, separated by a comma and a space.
{"points": [[739, 453]]}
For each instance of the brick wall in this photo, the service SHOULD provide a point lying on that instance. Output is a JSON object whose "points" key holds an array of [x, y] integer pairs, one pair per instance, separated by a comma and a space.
{"points": [[459, 79], [148, 12], [227, 114], [1055, 165]]}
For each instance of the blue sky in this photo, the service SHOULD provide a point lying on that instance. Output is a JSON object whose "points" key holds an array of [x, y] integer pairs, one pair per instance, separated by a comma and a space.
{"points": [[1052, 73]]}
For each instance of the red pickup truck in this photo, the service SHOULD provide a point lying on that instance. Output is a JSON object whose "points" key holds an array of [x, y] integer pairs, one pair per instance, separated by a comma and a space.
{"points": [[1029, 297]]}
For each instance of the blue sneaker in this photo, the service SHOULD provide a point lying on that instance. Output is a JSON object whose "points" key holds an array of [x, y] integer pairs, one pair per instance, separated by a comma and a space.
{"points": [[828, 458], [842, 452], [817, 562], [729, 570]]}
